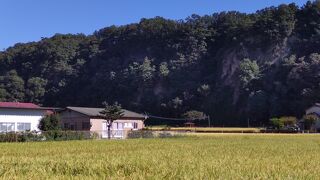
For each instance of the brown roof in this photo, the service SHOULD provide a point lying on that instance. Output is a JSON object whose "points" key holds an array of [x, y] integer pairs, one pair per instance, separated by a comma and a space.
{"points": [[21, 105], [95, 112]]}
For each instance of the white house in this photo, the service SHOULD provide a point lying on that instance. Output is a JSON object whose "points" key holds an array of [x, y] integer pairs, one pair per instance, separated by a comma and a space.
{"points": [[15, 116]]}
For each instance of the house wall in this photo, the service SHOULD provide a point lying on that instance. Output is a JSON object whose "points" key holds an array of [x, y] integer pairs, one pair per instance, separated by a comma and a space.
{"points": [[96, 124], [74, 120], [77, 119], [32, 116]]}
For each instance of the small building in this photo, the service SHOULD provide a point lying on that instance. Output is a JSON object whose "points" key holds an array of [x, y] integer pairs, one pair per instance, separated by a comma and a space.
{"points": [[89, 119], [315, 110], [15, 116]]}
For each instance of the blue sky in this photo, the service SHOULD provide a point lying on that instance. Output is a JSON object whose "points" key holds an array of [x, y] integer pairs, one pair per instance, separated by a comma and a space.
{"points": [[29, 20]]}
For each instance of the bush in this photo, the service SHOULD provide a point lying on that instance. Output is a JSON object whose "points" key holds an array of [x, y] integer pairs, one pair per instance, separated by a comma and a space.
{"points": [[50, 123], [285, 121], [288, 120], [20, 137], [140, 134], [94, 135], [63, 135], [309, 120], [165, 135], [276, 123]]}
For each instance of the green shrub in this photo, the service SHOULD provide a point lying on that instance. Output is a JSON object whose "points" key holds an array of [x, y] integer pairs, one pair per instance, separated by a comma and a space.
{"points": [[63, 135], [309, 120], [281, 122], [20, 137], [140, 134], [288, 120], [276, 123], [94, 135], [165, 135]]}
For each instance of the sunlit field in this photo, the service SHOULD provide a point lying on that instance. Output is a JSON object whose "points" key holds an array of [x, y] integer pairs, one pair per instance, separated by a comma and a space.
{"points": [[207, 129], [229, 156]]}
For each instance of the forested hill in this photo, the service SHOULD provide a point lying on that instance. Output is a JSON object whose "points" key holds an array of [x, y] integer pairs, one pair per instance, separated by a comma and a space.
{"points": [[230, 65]]}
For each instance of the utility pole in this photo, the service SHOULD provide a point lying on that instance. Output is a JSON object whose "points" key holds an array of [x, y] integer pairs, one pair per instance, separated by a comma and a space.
{"points": [[209, 120]]}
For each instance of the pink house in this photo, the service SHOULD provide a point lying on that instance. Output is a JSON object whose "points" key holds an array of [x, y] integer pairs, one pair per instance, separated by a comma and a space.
{"points": [[89, 119]]}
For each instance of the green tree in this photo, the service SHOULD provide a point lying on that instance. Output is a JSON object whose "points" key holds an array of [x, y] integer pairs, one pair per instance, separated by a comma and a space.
{"points": [[110, 114], [13, 85], [3, 94], [147, 70], [288, 120], [204, 90], [177, 102], [257, 105], [309, 120], [35, 89], [249, 70], [50, 123], [194, 115], [163, 69], [276, 122]]}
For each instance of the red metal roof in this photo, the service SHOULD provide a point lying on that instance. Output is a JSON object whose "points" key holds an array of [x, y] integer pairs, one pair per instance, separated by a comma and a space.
{"points": [[18, 105]]}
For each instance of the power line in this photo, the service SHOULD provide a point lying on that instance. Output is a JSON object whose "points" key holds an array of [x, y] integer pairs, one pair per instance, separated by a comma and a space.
{"points": [[174, 119]]}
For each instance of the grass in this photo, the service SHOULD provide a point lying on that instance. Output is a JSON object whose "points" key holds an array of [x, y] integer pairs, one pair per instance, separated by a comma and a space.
{"points": [[221, 156], [207, 129]]}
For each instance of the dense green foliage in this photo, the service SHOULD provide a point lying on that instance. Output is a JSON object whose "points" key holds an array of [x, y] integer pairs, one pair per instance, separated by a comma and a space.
{"points": [[232, 66], [111, 113], [285, 121], [204, 157], [194, 115], [310, 120], [50, 123], [31, 136]]}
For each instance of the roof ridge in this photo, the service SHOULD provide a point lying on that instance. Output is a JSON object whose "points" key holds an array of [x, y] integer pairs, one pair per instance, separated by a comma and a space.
{"points": [[85, 107], [91, 111]]}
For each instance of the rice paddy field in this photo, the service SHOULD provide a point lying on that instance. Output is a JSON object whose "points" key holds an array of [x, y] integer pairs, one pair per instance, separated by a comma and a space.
{"points": [[207, 129], [198, 156]]}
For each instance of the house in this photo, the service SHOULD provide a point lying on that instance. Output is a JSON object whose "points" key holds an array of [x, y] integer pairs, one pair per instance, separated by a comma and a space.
{"points": [[315, 110], [15, 116], [89, 119]]}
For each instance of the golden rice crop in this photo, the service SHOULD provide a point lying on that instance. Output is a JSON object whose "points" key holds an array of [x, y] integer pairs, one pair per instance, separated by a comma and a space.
{"points": [[194, 157], [207, 129]]}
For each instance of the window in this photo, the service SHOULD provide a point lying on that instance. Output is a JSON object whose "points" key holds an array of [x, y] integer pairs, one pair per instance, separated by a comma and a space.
{"points": [[120, 125], [86, 125], [69, 126], [128, 125], [135, 125], [66, 126], [23, 126], [72, 127], [117, 125], [5, 127], [114, 125]]}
